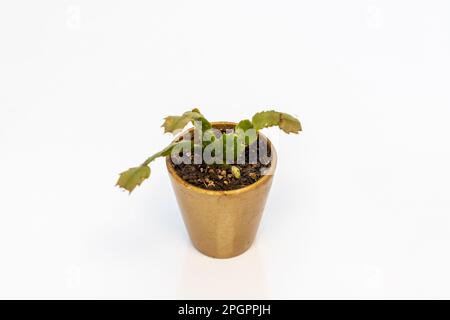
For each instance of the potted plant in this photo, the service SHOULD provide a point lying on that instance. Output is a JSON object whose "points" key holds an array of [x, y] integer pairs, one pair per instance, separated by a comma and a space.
{"points": [[221, 173]]}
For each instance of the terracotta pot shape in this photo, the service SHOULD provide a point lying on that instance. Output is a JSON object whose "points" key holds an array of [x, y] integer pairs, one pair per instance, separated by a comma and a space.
{"points": [[222, 224]]}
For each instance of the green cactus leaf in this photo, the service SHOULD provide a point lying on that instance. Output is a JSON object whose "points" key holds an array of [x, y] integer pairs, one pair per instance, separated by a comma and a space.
{"points": [[244, 125], [286, 122], [175, 124], [133, 177]]}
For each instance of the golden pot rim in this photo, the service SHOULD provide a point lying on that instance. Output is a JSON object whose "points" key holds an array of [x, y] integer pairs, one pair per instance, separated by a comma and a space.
{"points": [[263, 180]]}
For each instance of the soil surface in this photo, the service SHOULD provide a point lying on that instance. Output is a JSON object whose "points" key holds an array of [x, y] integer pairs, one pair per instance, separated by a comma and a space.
{"points": [[219, 177]]}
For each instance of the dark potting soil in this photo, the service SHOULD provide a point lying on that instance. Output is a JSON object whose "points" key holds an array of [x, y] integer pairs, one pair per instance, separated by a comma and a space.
{"points": [[219, 177]]}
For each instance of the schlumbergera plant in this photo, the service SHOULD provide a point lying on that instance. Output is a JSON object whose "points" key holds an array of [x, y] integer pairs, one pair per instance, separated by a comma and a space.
{"points": [[210, 145]]}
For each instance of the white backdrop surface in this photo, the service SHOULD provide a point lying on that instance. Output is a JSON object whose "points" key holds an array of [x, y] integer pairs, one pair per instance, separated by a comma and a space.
{"points": [[360, 203]]}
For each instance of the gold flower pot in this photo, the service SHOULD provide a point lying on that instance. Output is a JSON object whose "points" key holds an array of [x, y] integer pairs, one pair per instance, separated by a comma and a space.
{"points": [[222, 224]]}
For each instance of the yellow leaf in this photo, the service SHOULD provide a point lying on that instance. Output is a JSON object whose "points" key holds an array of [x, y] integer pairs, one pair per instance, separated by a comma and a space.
{"points": [[289, 124]]}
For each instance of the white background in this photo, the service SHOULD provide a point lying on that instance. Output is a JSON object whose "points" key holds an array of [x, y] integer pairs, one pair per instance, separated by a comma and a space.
{"points": [[360, 203]]}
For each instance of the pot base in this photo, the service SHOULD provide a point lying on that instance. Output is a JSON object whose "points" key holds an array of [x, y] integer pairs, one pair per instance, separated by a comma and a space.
{"points": [[218, 255]]}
